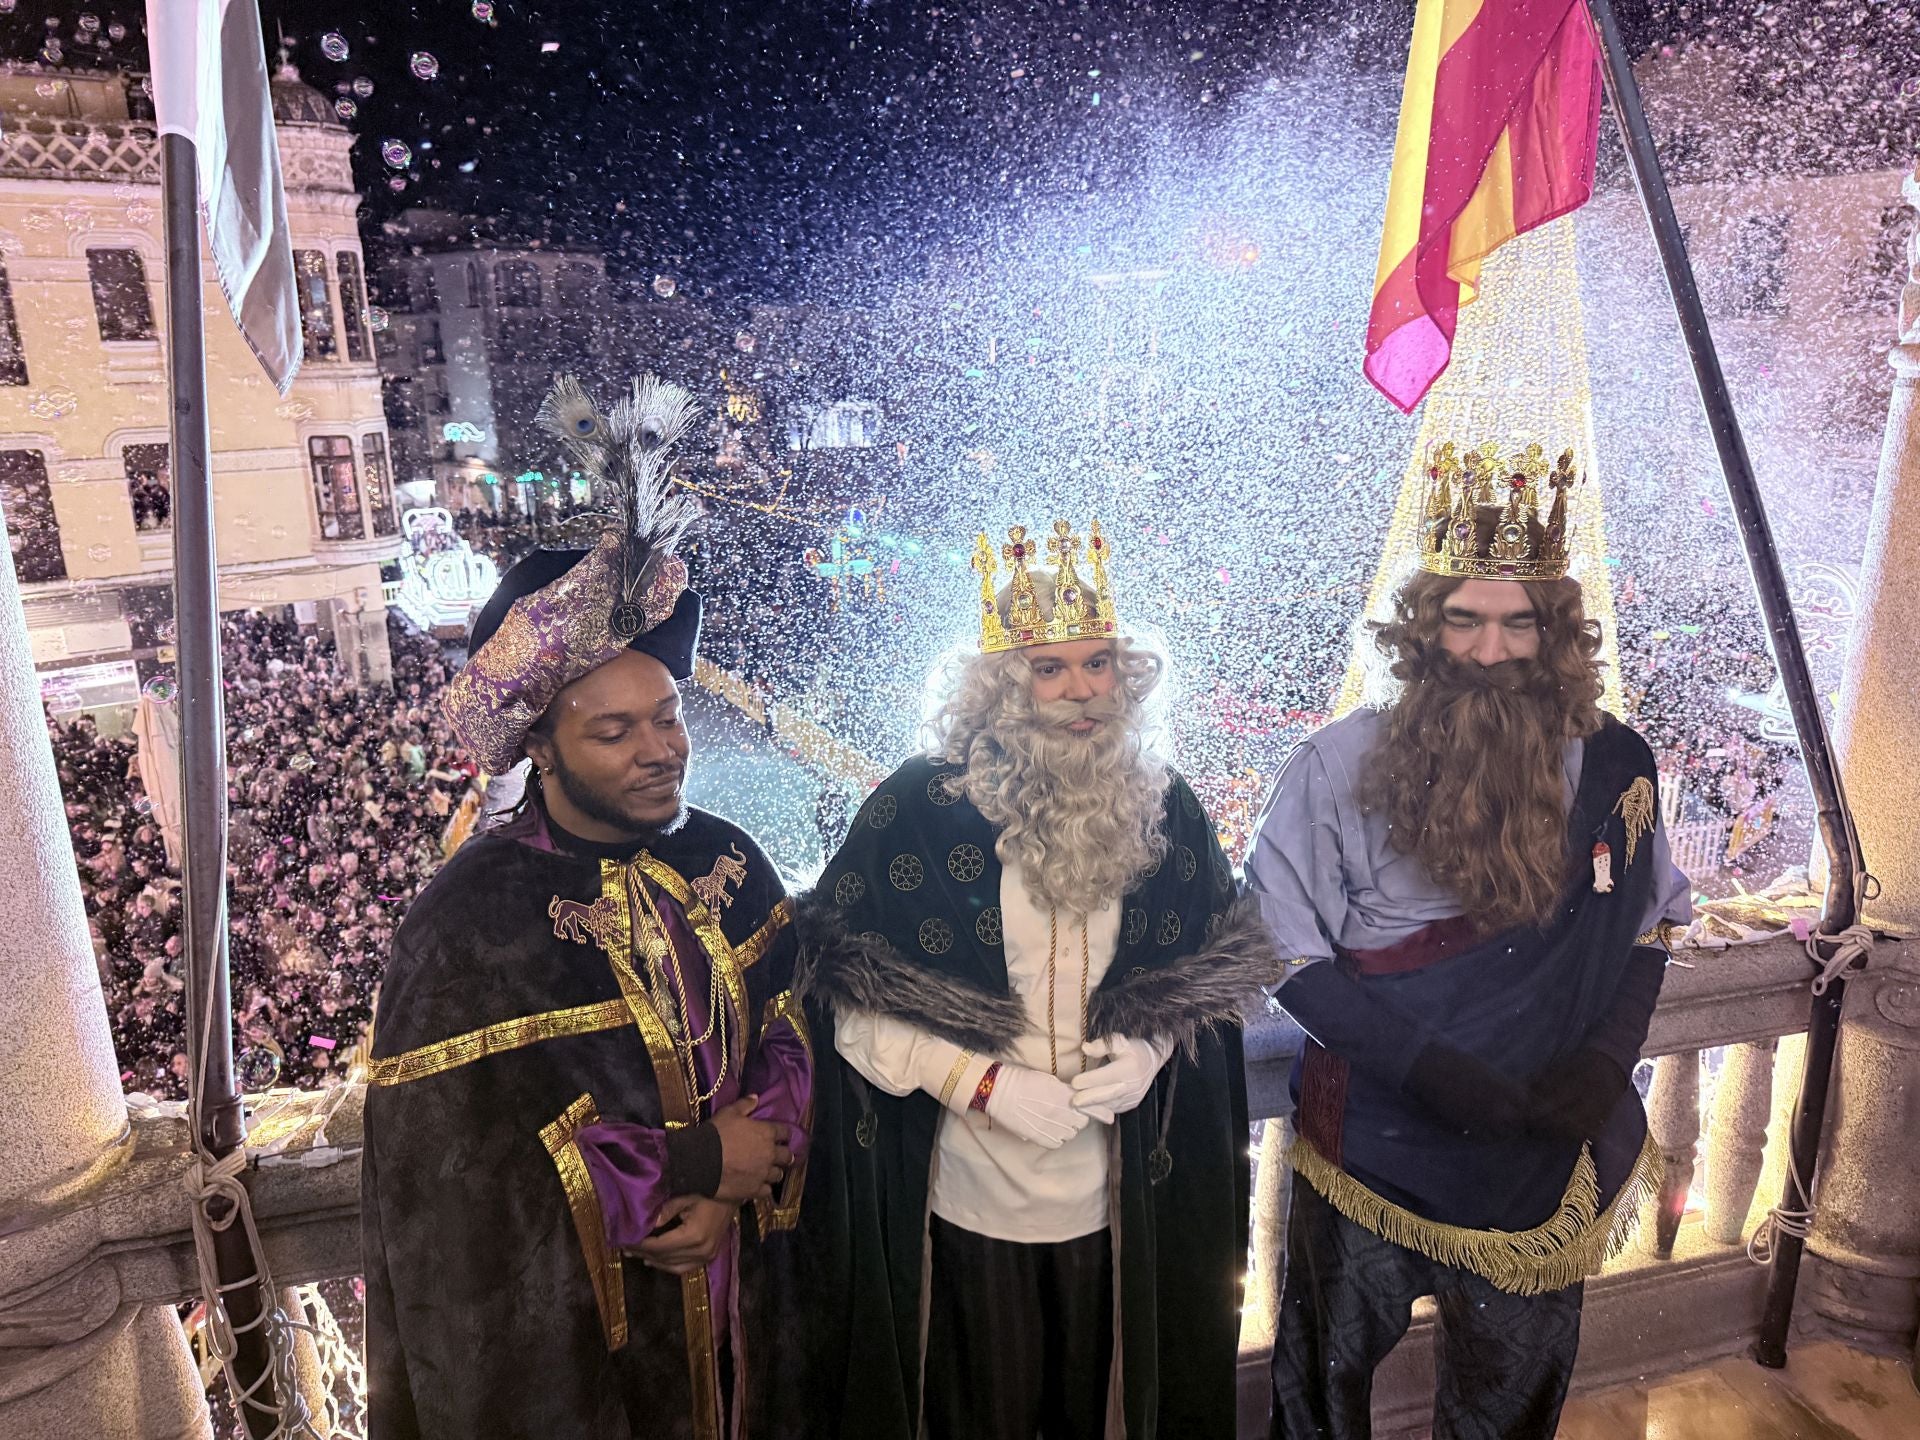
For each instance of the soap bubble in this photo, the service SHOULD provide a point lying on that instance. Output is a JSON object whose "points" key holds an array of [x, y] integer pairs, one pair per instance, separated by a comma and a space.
{"points": [[345, 108], [378, 318], [333, 45], [483, 9], [161, 689], [395, 153], [362, 86], [665, 286], [423, 65], [257, 1067]]}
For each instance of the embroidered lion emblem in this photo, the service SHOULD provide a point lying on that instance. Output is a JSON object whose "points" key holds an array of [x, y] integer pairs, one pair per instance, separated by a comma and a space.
{"points": [[727, 870], [598, 923]]}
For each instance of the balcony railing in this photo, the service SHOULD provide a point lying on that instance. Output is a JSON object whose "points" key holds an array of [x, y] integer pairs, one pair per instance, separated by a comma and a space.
{"points": [[35, 147], [1725, 1044]]}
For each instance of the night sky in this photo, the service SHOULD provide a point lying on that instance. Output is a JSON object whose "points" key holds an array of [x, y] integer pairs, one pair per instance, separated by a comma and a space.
{"points": [[778, 150]]}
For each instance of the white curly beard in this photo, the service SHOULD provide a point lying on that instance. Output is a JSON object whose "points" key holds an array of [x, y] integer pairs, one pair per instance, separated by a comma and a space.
{"points": [[1080, 814]]}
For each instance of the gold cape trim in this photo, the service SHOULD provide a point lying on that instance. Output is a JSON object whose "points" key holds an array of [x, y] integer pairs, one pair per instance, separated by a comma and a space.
{"points": [[752, 950], [676, 1108], [1569, 1246], [495, 1039], [783, 1211], [603, 1266]]}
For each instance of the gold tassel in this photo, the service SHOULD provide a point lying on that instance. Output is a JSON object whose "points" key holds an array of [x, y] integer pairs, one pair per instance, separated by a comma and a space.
{"points": [[1569, 1246]]}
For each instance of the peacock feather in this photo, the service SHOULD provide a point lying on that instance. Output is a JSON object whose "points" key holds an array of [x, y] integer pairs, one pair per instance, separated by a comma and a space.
{"points": [[626, 455]]}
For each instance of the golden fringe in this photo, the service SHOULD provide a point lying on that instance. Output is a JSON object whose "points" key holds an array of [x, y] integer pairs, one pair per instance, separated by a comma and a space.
{"points": [[1569, 1246]]}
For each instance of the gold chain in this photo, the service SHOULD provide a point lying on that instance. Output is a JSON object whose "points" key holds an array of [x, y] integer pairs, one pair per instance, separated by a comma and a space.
{"points": [[659, 949], [1086, 966]]}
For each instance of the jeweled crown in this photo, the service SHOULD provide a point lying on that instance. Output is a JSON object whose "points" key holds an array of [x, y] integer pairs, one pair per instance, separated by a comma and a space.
{"points": [[1081, 610], [1484, 515]]}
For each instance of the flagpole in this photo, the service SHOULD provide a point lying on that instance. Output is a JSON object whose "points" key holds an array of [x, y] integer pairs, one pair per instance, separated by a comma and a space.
{"points": [[215, 1110], [1846, 872]]}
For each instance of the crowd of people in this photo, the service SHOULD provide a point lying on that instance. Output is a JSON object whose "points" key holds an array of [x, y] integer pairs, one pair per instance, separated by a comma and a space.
{"points": [[340, 800]]}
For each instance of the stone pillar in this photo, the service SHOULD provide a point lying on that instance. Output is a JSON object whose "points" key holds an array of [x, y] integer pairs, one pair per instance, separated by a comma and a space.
{"points": [[74, 1359], [1864, 1252], [1880, 696]]}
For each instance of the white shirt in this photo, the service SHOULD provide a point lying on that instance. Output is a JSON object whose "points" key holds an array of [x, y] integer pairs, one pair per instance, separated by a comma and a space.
{"points": [[987, 1180]]}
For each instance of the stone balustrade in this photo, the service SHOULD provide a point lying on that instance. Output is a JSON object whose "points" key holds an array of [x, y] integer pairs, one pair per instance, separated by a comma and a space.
{"points": [[1685, 1294]]}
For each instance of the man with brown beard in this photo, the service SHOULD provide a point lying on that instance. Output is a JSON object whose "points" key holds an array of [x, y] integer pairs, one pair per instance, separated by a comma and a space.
{"points": [[1471, 888], [1030, 959]]}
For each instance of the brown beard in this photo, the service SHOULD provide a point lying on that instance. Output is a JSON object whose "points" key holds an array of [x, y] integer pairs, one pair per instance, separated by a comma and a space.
{"points": [[1469, 771]]}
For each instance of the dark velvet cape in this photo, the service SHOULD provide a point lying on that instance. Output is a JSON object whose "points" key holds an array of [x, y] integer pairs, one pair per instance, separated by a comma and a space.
{"points": [[906, 921], [483, 1316], [1519, 1001]]}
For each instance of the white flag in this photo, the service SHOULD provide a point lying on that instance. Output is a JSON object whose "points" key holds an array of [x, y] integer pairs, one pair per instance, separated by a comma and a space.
{"points": [[210, 85]]}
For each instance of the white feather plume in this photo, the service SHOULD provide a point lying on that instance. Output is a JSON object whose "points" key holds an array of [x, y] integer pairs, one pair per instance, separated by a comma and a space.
{"points": [[626, 456]]}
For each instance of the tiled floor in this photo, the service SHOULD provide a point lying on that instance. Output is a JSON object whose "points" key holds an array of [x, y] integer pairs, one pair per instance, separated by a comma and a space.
{"points": [[1827, 1392]]}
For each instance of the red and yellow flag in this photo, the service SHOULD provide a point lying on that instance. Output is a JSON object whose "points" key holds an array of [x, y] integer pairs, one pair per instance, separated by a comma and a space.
{"points": [[1498, 129]]}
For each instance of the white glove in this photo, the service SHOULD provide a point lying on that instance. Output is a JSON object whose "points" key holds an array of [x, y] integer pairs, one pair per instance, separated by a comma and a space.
{"points": [[1035, 1106], [1104, 1091]]}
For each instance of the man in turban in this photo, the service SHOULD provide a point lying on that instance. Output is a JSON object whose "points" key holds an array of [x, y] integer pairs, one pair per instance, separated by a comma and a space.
{"points": [[590, 1088]]}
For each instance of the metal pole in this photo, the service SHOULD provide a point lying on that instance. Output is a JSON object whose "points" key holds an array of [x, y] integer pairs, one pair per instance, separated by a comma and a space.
{"points": [[215, 1106], [1845, 871]]}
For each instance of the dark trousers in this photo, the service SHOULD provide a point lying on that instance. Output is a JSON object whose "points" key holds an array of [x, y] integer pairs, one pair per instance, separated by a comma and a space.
{"points": [[1019, 1339], [1503, 1360]]}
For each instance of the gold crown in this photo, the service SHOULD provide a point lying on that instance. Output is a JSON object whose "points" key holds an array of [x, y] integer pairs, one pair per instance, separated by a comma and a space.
{"points": [[1483, 516], [1080, 611]]}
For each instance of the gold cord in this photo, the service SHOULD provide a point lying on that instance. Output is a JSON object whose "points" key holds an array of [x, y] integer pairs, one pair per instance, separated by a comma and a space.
{"points": [[668, 979], [1086, 967]]}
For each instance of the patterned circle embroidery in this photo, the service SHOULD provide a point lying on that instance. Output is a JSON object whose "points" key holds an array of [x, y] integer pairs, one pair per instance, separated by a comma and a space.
{"points": [[873, 937], [1189, 866], [1136, 926], [1189, 802], [906, 872], [938, 790], [987, 927], [965, 863], [848, 890], [1222, 873], [885, 807], [1153, 869], [936, 936], [1169, 928]]}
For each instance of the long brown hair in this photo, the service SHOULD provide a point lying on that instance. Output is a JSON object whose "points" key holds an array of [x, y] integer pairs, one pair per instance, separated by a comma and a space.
{"points": [[1469, 766]]}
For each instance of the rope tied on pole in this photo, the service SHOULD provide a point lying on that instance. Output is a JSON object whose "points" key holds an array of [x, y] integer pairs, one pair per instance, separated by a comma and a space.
{"points": [[220, 1200], [1851, 947], [1794, 1215]]}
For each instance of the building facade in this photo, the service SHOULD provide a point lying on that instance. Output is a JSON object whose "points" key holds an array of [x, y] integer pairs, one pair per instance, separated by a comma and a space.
{"points": [[475, 329], [303, 486]]}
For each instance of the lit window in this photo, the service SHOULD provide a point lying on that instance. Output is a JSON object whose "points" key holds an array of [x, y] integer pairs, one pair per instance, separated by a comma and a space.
{"points": [[373, 465], [336, 491], [316, 306]]}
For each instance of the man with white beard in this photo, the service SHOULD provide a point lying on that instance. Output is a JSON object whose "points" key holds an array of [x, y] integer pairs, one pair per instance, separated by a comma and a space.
{"points": [[1029, 956]]}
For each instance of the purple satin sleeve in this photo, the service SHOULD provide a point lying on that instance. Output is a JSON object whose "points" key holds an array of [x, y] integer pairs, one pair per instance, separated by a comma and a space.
{"points": [[628, 1164], [780, 1072]]}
